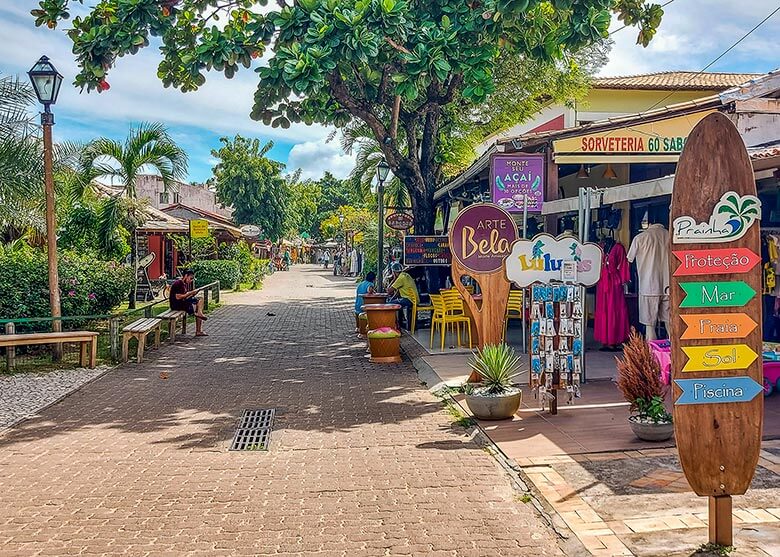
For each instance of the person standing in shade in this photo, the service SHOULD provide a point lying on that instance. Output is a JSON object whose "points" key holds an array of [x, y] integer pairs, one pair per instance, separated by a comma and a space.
{"points": [[403, 290]]}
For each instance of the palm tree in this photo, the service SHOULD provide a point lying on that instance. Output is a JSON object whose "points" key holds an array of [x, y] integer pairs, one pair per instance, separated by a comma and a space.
{"points": [[148, 147]]}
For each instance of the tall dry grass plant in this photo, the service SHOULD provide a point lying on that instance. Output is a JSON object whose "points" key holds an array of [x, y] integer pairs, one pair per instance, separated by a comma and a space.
{"points": [[639, 373]]}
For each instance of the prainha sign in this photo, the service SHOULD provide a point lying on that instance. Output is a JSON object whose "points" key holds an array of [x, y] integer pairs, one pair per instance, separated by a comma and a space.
{"points": [[541, 259], [730, 220]]}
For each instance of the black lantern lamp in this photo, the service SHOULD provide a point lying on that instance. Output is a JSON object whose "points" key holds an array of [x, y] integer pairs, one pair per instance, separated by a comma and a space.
{"points": [[46, 82]]}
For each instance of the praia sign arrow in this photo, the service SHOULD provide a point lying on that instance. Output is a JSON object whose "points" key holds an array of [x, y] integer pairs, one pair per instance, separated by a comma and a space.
{"points": [[716, 390]]}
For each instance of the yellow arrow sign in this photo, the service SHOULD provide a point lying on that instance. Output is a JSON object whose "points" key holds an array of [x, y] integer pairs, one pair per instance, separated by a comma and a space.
{"points": [[717, 325], [718, 357]]}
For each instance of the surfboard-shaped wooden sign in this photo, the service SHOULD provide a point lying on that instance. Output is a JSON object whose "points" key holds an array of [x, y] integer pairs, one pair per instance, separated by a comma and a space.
{"points": [[716, 387]]}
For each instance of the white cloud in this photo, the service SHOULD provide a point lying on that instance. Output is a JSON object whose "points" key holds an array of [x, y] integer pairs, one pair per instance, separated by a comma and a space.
{"points": [[695, 32], [316, 157]]}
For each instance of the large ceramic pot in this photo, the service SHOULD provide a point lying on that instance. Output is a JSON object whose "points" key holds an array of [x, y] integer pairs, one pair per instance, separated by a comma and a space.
{"points": [[494, 407], [649, 431]]}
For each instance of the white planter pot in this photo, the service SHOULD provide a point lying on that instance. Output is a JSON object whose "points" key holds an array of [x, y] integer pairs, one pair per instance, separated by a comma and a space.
{"points": [[494, 407], [651, 431]]}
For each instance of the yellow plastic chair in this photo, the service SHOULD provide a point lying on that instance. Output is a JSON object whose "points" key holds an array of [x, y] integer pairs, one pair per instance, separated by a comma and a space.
{"points": [[453, 302], [443, 321], [514, 308], [415, 309]]}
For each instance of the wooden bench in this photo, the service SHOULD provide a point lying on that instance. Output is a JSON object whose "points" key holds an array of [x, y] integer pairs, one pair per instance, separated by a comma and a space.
{"points": [[172, 317], [84, 338], [138, 330]]}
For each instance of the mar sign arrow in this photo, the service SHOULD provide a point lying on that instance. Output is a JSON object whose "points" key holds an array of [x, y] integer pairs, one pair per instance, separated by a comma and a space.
{"points": [[715, 261], [718, 357], [716, 294], [717, 390]]}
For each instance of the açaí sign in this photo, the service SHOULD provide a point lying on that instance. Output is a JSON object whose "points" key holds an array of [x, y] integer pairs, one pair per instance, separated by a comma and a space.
{"points": [[541, 259], [481, 237], [517, 179]]}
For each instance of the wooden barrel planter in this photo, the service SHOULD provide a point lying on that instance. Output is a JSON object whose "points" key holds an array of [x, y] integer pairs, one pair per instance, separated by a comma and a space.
{"points": [[385, 345], [382, 315], [375, 298], [362, 321]]}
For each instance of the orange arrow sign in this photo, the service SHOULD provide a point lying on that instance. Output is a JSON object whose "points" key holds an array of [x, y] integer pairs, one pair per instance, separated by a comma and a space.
{"points": [[717, 325], [715, 261]]}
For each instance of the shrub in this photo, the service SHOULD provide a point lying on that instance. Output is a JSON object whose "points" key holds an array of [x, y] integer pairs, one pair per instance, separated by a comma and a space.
{"points": [[226, 271], [87, 286], [639, 380]]}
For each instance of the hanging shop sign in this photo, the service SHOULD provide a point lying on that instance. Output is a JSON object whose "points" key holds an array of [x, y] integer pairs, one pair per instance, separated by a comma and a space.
{"points": [[399, 221], [427, 250], [517, 181], [544, 259], [658, 141], [481, 237], [250, 230], [715, 261], [730, 220], [717, 411], [717, 325], [199, 228]]}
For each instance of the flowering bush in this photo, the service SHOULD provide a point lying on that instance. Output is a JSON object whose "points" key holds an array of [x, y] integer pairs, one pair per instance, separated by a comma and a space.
{"points": [[87, 286]]}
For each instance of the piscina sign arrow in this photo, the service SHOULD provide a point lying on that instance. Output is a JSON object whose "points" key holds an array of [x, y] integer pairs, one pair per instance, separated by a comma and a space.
{"points": [[717, 390], [718, 357], [716, 294], [715, 261]]}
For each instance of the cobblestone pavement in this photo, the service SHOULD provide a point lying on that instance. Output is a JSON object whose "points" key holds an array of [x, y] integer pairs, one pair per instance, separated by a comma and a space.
{"points": [[24, 394], [363, 460]]}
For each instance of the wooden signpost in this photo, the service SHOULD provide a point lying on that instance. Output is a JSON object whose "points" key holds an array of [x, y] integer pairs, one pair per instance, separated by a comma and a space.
{"points": [[716, 333], [480, 239]]}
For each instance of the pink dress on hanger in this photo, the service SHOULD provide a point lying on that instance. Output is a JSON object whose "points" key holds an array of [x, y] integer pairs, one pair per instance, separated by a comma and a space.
{"points": [[611, 315]]}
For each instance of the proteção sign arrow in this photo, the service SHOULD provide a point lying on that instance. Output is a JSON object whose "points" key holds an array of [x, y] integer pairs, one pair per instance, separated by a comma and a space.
{"points": [[716, 294], [717, 390], [718, 357], [715, 261]]}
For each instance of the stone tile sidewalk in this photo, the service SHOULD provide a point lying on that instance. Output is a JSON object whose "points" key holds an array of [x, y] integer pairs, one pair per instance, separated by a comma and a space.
{"points": [[363, 460]]}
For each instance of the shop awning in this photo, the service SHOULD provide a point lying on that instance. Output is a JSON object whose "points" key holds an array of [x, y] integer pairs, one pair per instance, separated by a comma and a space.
{"points": [[617, 194]]}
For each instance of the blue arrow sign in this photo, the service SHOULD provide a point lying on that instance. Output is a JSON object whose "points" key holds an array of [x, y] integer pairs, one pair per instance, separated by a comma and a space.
{"points": [[715, 390]]}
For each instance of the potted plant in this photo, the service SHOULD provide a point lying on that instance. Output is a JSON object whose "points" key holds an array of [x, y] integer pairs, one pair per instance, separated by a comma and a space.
{"points": [[639, 380], [495, 397]]}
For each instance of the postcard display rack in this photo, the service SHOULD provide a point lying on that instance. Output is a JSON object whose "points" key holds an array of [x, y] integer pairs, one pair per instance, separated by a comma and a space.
{"points": [[557, 325]]}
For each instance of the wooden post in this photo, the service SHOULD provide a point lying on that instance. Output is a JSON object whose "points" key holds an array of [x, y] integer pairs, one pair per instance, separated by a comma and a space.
{"points": [[47, 121], [113, 333], [148, 311], [216, 293], [721, 531], [10, 351], [551, 193], [206, 299]]}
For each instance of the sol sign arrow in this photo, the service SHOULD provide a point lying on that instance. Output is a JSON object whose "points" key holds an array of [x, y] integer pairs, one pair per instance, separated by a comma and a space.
{"points": [[717, 357], [715, 261], [716, 294], [720, 390], [717, 325]]}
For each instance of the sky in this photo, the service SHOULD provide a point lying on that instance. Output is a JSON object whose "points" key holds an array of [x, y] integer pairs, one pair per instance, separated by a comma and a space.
{"points": [[692, 34]]}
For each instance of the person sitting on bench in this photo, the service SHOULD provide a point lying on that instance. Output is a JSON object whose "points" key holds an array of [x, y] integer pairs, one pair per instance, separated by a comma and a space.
{"points": [[183, 298]]}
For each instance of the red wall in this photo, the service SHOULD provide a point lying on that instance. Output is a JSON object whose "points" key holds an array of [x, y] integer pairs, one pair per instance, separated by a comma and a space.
{"points": [[156, 246]]}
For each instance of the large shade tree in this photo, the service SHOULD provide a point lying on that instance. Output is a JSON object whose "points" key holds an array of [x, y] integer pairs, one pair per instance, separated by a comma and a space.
{"points": [[392, 64], [148, 148]]}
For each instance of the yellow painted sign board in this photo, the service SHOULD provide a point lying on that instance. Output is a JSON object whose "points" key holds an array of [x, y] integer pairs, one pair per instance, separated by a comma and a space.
{"points": [[718, 357], [659, 141], [717, 325], [199, 228]]}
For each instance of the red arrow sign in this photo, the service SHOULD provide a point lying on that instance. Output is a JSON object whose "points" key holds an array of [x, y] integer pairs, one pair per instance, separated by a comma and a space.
{"points": [[715, 261]]}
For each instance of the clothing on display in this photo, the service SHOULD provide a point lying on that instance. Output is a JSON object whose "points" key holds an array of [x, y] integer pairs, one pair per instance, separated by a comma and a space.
{"points": [[611, 326], [650, 250]]}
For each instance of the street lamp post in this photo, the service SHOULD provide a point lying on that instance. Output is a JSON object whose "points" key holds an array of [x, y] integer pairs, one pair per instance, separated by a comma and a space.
{"points": [[46, 82], [382, 170]]}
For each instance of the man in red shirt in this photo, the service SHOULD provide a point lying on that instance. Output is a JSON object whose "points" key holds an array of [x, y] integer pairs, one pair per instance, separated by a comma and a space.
{"points": [[183, 298]]}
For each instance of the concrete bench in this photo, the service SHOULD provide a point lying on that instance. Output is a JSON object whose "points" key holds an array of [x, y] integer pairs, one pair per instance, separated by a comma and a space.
{"points": [[172, 317], [139, 330], [87, 339]]}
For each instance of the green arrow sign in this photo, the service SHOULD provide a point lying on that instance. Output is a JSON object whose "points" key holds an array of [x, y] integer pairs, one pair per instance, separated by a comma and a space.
{"points": [[716, 294]]}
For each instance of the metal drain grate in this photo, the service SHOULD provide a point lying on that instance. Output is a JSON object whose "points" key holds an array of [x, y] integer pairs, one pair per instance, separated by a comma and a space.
{"points": [[254, 430]]}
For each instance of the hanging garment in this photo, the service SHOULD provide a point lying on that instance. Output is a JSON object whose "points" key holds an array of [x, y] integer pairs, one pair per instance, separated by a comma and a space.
{"points": [[611, 315]]}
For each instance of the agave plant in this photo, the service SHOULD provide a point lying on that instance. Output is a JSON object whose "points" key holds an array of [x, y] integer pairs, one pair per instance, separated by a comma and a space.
{"points": [[495, 364]]}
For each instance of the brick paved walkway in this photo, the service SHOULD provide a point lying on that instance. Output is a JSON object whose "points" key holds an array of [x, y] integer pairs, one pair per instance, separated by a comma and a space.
{"points": [[363, 461]]}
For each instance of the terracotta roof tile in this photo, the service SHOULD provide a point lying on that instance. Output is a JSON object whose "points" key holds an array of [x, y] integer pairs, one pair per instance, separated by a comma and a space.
{"points": [[664, 81]]}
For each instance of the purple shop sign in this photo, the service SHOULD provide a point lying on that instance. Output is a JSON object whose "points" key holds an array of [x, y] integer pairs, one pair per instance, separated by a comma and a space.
{"points": [[515, 178], [481, 237]]}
